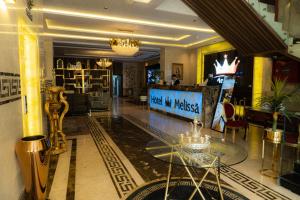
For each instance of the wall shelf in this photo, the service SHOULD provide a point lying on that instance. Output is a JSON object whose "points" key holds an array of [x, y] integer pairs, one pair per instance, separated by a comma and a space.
{"points": [[87, 87], [90, 80]]}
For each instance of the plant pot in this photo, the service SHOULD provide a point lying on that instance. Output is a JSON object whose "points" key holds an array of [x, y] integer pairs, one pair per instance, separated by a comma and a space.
{"points": [[33, 153], [273, 136]]}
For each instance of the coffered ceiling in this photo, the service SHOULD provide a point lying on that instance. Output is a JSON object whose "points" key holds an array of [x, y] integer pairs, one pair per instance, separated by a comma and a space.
{"points": [[84, 27]]}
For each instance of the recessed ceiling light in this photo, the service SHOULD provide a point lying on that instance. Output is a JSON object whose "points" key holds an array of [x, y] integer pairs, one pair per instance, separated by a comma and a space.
{"points": [[142, 1]]}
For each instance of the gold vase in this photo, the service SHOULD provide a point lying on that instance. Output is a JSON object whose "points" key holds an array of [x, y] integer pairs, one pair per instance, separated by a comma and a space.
{"points": [[33, 154], [273, 136], [53, 105]]}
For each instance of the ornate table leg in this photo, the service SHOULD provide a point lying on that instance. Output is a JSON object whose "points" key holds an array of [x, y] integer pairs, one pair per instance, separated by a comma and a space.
{"points": [[52, 108]]}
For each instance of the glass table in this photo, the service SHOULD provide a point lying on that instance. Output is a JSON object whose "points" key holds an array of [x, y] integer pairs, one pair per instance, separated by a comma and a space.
{"points": [[218, 154]]}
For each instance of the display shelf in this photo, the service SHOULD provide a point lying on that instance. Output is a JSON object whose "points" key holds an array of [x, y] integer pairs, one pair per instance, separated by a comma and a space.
{"points": [[90, 80]]}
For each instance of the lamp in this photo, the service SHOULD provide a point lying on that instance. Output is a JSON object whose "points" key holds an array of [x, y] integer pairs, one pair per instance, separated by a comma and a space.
{"points": [[10, 1], [124, 47], [104, 62]]}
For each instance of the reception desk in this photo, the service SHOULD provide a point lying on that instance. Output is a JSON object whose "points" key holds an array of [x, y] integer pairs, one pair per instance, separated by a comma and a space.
{"points": [[186, 102]]}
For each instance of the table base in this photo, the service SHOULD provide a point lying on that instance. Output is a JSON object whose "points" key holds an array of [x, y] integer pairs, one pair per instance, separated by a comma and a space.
{"points": [[194, 181]]}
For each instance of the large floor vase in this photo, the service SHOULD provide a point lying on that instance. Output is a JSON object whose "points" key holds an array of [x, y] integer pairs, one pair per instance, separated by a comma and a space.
{"points": [[33, 153]]}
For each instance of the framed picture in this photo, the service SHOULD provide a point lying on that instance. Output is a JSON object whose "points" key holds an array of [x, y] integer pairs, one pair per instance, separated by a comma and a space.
{"points": [[177, 69]]}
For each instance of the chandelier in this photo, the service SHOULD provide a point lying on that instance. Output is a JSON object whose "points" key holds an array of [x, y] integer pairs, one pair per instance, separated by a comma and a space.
{"points": [[104, 62], [124, 47]]}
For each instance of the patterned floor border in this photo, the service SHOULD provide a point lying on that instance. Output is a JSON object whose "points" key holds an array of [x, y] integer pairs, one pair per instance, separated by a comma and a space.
{"points": [[70, 195], [122, 179], [243, 180]]}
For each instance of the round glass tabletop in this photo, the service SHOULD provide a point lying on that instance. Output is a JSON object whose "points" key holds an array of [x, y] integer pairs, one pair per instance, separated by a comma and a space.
{"points": [[217, 154]]}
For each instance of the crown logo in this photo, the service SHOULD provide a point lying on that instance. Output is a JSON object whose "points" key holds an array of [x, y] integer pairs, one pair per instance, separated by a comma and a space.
{"points": [[226, 68], [168, 102]]}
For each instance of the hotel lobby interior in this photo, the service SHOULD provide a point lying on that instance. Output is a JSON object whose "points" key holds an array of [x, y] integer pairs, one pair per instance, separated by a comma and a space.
{"points": [[150, 99]]}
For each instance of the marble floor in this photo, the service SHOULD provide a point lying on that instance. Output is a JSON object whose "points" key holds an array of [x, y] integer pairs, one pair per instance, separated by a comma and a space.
{"points": [[94, 167]]}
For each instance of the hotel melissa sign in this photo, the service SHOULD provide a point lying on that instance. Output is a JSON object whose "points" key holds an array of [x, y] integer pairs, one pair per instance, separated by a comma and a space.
{"points": [[182, 103]]}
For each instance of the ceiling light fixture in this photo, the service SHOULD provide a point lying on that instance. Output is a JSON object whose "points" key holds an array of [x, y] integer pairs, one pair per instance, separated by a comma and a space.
{"points": [[142, 1], [57, 11], [125, 47], [66, 28], [95, 45], [104, 62]]}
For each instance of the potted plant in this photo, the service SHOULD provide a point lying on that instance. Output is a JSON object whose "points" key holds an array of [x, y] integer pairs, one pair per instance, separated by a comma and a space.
{"points": [[277, 102]]}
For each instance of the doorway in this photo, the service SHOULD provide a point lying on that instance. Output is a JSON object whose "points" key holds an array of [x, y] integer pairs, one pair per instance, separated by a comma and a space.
{"points": [[117, 80]]}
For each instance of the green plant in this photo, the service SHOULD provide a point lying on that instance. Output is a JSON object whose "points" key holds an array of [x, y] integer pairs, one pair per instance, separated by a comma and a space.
{"points": [[278, 100]]}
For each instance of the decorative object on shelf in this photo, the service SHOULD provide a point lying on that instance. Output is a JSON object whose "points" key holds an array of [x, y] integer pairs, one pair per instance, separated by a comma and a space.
{"points": [[104, 62], [60, 64], [88, 64], [277, 104], [52, 107], [33, 154], [194, 139], [78, 65], [124, 47]]}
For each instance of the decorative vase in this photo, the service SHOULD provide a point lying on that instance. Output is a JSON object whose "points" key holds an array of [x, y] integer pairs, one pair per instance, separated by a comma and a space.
{"points": [[52, 107], [33, 153], [273, 136]]}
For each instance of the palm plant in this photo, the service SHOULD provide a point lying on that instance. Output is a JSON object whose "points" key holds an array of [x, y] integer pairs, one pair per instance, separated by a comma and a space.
{"points": [[278, 100]]}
